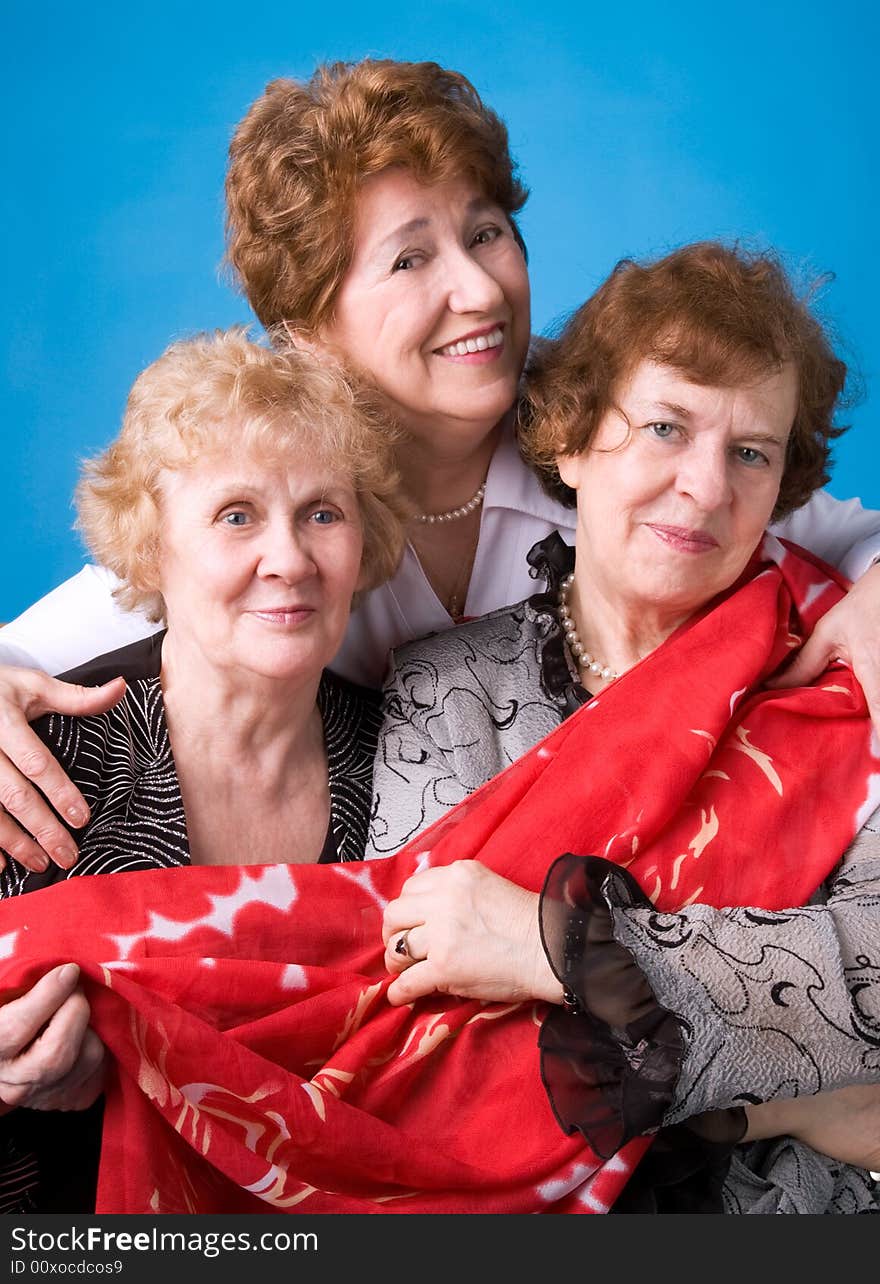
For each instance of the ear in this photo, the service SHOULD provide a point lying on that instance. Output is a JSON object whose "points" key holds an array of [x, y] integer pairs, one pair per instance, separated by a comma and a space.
{"points": [[569, 468]]}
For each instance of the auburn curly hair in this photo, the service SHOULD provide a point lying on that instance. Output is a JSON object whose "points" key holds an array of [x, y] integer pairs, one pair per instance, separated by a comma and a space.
{"points": [[721, 316], [299, 156]]}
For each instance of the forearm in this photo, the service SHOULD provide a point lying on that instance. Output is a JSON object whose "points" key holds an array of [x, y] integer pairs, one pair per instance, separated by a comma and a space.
{"points": [[774, 1119], [707, 1009], [772, 1005]]}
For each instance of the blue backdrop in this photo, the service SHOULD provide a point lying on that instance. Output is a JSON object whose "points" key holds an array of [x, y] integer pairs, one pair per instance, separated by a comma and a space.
{"points": [[636, 131]]}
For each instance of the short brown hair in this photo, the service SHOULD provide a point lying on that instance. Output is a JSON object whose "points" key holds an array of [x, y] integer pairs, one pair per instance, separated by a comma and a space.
{"points": [[299, 156], [722, 316], [210, 394]]}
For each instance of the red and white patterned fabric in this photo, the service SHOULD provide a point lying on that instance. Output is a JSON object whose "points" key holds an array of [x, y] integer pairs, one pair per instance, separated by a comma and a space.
{"points": [[260, 1067]]}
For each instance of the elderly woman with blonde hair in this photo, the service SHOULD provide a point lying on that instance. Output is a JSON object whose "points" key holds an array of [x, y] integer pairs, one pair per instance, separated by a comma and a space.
{"points": [[372, 214], [249, 496], [259, 1064]]}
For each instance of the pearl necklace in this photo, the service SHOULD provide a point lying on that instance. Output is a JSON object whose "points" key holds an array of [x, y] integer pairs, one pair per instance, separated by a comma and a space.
{"points": [[454, 513], [575, 645]]}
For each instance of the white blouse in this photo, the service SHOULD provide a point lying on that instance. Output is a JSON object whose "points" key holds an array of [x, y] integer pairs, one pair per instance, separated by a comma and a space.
{"points": [[80, 619]]}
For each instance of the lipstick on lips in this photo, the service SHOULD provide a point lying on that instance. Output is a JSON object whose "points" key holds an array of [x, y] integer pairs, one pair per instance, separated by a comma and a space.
{"points": [[477, 348], [684, 539], [283, 616]]}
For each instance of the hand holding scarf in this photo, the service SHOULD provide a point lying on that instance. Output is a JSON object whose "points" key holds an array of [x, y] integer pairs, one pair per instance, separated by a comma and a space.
{"points": [[259, 1064]]}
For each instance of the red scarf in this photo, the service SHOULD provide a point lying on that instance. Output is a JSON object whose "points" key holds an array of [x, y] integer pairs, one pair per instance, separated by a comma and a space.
{"points": [[260, 1067]]}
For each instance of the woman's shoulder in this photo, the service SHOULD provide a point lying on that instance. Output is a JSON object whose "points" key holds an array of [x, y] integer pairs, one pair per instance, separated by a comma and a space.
{"points": [[70, 737], [474, 695], [349, 709], [485, 664], [141, 659], [352, 717], [473, 638], [336, 688]]}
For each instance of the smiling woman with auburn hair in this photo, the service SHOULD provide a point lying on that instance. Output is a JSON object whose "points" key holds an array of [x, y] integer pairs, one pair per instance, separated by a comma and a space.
{"points": [[719, 316], [371, 211], [299, 158], [372, 218], [371, 214], [684, 404]]}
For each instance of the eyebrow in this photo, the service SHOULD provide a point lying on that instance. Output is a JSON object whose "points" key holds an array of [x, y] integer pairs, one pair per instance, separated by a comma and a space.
{"points": [[237, 486], [240, 488], [768, 438], [672, 408], [399, 234], [393, 239], [682, 412]]}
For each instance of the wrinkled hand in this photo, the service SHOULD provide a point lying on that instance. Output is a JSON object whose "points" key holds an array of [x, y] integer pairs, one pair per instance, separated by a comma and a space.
{"points": [[844, 1124], [49, 1057], [29, 830], [850, 631], [472, 933]]}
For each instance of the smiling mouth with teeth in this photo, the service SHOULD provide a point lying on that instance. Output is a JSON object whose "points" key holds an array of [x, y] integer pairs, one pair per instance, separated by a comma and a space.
{"points": [[463, 347]]}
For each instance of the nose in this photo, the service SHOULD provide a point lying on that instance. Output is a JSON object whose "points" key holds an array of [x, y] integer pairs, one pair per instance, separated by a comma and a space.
{"points": [[471, 287], [704, 476], [284, 553]]}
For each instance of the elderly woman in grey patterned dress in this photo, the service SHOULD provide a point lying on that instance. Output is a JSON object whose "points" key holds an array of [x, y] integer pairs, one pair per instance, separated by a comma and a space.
{"points": [[248, 497], [676, 466]]}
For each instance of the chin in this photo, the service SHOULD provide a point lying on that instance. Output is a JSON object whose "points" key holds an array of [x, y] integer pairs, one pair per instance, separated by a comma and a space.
{"points": [[686, 602], [277, 666], [479, 411]]}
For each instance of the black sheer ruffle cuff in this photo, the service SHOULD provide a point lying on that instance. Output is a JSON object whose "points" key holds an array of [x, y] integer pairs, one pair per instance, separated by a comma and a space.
{"points": [[612, 1055]]}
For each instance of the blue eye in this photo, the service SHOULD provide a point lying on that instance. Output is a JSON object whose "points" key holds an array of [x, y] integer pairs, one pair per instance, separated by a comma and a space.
{"points": [[236, 518], [662, 431], [325, 517], [752, 457]]}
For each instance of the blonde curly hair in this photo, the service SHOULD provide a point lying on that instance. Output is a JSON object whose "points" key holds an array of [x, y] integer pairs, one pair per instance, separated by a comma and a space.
{"points": [[214, 393]]}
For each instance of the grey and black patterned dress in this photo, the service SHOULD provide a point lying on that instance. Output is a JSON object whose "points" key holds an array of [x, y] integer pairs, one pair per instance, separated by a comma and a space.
{"points": [[747, 1005], [123, 764]]}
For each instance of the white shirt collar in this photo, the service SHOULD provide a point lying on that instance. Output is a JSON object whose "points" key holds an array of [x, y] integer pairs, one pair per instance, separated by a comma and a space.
{"points": [[511, 483]]}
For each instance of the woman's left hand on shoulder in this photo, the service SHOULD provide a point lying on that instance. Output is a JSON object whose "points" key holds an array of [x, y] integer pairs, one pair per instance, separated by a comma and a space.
{"points": [[462, 929], [850, 631]]}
